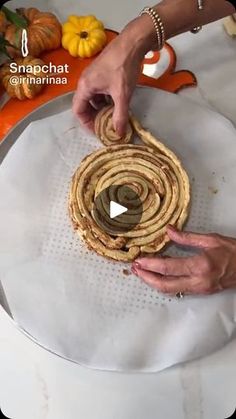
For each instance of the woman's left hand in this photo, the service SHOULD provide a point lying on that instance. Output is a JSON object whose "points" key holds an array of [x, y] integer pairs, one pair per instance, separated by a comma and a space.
{"points": [[212, 270]]}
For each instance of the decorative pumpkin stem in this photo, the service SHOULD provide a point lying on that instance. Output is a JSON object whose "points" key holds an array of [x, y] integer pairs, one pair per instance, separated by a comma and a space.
{"points": [[15, 18], [83, 34]]}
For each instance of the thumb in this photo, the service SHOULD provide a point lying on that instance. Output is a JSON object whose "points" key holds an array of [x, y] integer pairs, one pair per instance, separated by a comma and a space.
{"points": [[187, 238], [120, 114]]}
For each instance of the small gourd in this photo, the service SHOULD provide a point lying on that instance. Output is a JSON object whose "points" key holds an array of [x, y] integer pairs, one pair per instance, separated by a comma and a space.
{"points": [[3, 22], [43, 32], [83, 36], [26, 85]]}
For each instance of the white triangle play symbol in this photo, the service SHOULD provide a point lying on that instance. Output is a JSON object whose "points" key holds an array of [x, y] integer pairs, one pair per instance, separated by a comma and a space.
{"points": [[116, 209]]}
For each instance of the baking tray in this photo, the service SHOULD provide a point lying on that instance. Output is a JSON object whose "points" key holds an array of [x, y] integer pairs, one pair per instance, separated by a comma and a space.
{"points": [[53, 107], [205, 217]]}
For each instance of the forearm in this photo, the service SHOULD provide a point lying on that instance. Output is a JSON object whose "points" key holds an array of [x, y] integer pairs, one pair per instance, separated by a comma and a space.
{"points": [[178, 16], [182, 15]]}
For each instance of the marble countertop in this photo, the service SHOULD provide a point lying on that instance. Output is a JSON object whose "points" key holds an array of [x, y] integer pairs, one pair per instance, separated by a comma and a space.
{"points": [[35, 384]]}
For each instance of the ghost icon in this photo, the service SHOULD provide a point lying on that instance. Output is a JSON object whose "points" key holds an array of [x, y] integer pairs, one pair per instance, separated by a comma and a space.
{"points": [[2, 416]]}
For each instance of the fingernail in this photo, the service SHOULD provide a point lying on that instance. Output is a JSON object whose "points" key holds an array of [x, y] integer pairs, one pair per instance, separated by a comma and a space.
{"points": [[137, 265], [171, 228], [133, 270], [119, 130]]}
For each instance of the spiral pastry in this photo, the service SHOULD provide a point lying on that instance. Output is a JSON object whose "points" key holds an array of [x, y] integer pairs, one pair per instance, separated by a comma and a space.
{"points": [[104, 128], [154, 173]]}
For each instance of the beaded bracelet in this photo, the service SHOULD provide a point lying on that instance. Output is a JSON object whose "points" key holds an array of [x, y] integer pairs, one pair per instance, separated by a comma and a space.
{"points": [[158, 25]]}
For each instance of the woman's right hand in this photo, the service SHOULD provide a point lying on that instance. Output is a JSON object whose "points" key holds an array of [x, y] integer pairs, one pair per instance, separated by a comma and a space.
{"points": [[115, 73]]}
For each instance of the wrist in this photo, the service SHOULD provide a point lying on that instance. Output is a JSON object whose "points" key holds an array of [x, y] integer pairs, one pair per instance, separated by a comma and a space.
{"points": [[178, 16], [141, 34]]}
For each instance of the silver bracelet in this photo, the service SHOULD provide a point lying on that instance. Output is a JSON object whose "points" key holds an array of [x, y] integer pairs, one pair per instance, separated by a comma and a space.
{"points": [[200, 5], [158, 25]]}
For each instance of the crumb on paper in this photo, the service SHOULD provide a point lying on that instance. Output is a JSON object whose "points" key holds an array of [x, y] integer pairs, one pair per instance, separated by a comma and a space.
{"points": [[213, 190], [213, 173], [193, 179], [126, 272], [223, 179]]}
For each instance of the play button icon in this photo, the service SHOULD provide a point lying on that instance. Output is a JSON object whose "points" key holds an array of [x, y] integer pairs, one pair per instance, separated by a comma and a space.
{"points": [[117, 209]]}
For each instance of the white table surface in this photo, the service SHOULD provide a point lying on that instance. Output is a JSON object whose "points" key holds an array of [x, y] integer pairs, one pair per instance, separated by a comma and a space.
{"points": [[35, 384]]}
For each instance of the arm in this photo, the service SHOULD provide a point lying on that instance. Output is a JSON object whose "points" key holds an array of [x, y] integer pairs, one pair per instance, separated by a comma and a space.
{"points": [[116, 70], [180, 16]]}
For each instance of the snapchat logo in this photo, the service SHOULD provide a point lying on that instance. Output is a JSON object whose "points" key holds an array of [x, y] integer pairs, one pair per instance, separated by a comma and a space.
{"points": [[24, 43]]}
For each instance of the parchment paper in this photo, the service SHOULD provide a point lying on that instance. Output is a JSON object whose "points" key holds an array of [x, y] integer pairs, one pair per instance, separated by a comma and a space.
{"points": [[82, 306]]}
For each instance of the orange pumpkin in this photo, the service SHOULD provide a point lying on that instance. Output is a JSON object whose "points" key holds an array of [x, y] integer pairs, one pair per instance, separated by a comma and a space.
{"points": [[23, 84], [3, 22], [43, 32]]}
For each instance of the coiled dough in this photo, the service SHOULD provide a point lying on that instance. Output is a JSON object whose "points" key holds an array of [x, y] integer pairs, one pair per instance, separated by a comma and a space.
{"points": [[154, 172]]}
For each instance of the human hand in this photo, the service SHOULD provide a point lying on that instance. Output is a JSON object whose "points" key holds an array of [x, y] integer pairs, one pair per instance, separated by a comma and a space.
{"points": [[114, 72], [210, 271]]}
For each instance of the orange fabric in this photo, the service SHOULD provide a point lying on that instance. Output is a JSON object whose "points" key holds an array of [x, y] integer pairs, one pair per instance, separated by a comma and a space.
{"points": [[14, 111]]}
